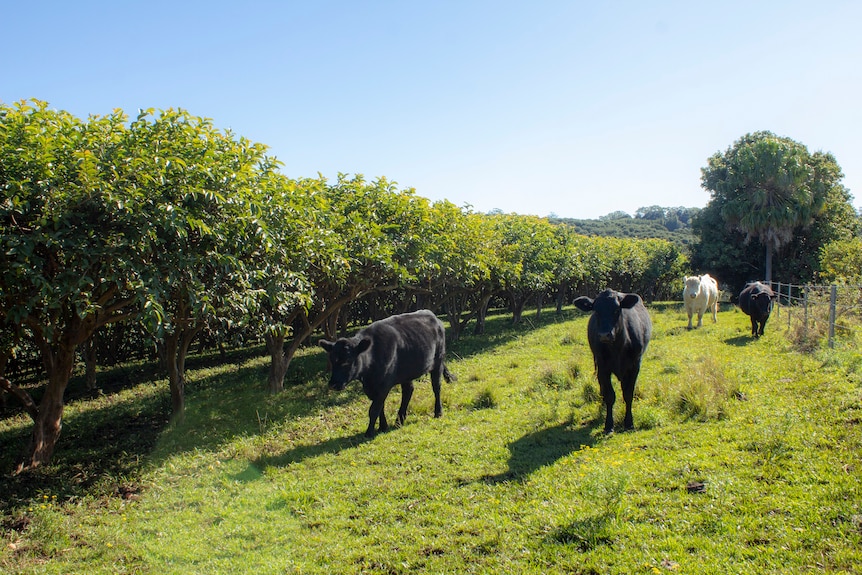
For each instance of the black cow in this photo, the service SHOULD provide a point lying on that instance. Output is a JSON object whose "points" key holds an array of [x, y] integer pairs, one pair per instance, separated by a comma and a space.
{"points": [[755, 300], [389, 352], [618, 331]]}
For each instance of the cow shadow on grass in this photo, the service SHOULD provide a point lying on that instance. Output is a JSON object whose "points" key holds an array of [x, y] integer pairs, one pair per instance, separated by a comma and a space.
{"points": [[739, 341], [299, 453], [541, 448]]}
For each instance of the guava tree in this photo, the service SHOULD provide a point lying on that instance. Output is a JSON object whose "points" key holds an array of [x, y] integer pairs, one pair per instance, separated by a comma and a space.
{"points": [[74, 255], [349, 254], [528, 246], [195, 185], [294, 243], [464, 258]]}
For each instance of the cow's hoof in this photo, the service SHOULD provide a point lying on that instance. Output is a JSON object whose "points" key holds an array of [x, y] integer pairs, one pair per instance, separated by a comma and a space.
{"points": [[609, 431]]}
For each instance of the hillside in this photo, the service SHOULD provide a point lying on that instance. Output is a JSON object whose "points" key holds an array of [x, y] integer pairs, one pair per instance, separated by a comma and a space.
{"points": [[672, 224]]}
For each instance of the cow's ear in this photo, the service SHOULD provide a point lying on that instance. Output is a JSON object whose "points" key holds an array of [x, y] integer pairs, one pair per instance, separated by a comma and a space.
{"points": [[584, 303], [630, 300], [327, 345], [363, 345]]}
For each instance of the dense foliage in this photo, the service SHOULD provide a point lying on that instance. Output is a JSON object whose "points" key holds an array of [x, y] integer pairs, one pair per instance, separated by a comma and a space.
{"points": [[773, 190], [164, 229]]}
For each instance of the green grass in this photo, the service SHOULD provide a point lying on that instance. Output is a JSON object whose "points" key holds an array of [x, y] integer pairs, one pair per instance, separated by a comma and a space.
{"points": [[746, 459]]}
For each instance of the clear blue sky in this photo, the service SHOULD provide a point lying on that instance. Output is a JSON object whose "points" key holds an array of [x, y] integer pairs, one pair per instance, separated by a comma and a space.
{"points": [[573, 108]]}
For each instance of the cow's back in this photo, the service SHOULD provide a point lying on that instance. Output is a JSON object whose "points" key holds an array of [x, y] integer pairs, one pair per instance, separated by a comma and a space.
{"points": [[747, 295], [405, 346]]}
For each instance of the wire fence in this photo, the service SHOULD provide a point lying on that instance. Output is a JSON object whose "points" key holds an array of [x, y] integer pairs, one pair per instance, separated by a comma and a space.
{"points": [[820, 310]]}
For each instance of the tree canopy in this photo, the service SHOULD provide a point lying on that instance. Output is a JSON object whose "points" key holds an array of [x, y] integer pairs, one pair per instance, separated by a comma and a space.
{"points": [[768, 188], [175, 228]]}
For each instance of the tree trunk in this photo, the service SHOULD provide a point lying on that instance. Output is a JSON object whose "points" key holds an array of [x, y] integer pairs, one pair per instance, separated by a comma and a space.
{"points": [[539, 301], [89, 351], [49, 420], [481, 313], [330, 326], [561, 297], [518, 302], [768, 277], [175, 376], [278, 363], [4, 361], [454, 312]]}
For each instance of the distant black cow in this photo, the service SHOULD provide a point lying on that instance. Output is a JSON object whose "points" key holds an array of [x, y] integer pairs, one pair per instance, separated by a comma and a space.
{"points": [[618, 331], [755, 300], [389, 352]]}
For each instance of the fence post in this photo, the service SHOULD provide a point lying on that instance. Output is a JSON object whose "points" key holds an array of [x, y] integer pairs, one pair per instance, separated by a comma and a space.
{"points": [[832, 305], [805, 308], [778, 291]]}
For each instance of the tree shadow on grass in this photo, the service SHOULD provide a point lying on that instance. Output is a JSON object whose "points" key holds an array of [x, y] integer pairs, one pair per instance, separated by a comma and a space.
{"points": [[103, 448], [302, 452], [536, 450]]}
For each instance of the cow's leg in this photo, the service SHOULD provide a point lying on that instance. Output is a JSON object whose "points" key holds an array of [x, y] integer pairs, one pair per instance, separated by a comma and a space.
{"points": [[628, 384], [435, 385], [715, 312], [689, 320], [406, 394], [609, 396], [753, 327], [699, 318], [376, 412], [762, 325]]}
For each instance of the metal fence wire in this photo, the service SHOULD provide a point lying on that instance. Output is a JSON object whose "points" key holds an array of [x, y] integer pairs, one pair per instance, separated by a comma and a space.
{"points": [[820, 310]]}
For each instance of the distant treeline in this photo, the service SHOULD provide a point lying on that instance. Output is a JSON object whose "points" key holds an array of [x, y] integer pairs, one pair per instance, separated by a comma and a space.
{"points": [[672, 224]]}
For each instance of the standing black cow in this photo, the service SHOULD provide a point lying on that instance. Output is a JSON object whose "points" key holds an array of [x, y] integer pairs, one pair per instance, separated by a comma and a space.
{"points": [[755, 300], [389, 352], [618, 331]]}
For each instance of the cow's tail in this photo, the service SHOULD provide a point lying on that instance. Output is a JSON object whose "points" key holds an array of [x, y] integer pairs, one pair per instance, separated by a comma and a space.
{"points": [[448, 375]]}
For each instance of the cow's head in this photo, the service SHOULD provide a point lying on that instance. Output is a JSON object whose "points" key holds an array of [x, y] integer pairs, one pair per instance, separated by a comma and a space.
{"points": [[607, 308], [343, 359], [692, 286], [762, 302]]}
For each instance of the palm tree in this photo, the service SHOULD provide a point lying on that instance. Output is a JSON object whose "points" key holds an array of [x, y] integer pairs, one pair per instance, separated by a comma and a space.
{"points": [[769, 187]]}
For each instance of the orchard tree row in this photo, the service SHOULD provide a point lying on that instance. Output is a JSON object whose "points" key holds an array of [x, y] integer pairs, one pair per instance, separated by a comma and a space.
{"points": [[166, 223]]}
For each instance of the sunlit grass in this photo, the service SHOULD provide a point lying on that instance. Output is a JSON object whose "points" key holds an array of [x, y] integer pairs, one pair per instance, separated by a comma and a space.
{"points": [[745, 459]]}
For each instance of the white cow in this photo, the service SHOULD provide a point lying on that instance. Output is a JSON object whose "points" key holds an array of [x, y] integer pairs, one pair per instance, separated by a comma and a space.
{"points": [[700, 295]]}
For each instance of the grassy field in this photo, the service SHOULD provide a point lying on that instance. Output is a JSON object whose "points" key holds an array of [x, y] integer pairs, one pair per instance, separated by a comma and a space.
{"points": [[747, 458]]}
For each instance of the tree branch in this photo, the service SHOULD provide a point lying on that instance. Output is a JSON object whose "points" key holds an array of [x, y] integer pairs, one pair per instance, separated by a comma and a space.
{"points": [[23, 397]]}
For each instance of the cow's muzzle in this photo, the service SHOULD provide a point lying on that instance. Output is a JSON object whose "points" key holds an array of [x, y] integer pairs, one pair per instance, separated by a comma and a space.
{"points": [[337, 385], [607, 337]]}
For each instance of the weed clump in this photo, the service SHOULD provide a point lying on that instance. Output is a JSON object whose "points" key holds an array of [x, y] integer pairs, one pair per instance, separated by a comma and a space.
{"points": [[590, 392], [555, 378], [485, 399], [704, 395]]}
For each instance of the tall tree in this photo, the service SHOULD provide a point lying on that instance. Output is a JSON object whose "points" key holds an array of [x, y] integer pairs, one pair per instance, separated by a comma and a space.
{"points": [[768, 187], [193, 183], [73, 255]]}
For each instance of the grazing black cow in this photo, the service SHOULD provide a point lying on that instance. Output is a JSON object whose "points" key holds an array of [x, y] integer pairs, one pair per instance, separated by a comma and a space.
{"points": [[618, 331], [755, 300], [389, 352]]}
